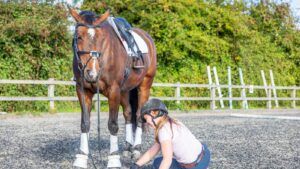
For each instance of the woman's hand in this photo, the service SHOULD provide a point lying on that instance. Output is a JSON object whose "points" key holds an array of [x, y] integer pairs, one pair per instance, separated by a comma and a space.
{"points": [[146, 157], [167, 152]]}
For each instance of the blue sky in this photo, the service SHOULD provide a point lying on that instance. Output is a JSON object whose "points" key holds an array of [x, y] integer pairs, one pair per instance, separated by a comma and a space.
{"points": [[295, 5]]}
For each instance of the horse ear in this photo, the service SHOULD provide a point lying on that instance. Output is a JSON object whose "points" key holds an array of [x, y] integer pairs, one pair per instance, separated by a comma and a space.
{"points": [[75, 15], [102, 18]]}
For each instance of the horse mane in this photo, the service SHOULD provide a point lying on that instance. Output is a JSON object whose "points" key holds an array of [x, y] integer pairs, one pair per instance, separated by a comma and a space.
{"points": [[88, 16]]}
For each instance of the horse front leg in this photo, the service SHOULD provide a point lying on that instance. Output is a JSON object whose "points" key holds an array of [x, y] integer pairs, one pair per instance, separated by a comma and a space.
{"points": [[127, 113], [85, 99], [114, 102]]}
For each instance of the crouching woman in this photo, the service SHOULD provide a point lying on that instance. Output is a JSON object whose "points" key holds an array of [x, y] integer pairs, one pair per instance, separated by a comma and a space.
{"points": [[179, 147]]}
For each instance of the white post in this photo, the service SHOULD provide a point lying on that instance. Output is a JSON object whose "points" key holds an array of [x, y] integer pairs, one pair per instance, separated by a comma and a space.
{"points": [[209, 75], [229, 87], [51, 88], [218, 88], [264, 81], [177, 93], [212, 97], [269, 95], [266, 87], [273, 87], [243, 92], [212, 93], [294, 98]]}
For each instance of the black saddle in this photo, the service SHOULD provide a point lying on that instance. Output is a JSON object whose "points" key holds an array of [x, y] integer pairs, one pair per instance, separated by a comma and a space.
{"points": [[124, 28]]}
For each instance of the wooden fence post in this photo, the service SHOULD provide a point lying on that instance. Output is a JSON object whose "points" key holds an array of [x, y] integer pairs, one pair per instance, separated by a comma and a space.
{"points": [[177, 93], [212, 96], [294, 91], [51, 89]]}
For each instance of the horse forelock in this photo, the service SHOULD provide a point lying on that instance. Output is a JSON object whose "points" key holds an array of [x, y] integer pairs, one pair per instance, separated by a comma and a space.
{"points": [[88, 16]]}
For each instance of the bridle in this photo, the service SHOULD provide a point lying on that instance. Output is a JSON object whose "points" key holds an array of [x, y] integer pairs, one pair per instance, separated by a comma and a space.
{"points": [[78, 53]]}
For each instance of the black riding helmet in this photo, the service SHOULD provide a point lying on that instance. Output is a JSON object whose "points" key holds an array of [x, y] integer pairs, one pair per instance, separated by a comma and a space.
{"points": [[152, 105]]}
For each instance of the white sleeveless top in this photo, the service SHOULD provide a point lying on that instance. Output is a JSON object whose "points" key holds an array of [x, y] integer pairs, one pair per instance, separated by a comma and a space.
{"points": [[186, 147]]}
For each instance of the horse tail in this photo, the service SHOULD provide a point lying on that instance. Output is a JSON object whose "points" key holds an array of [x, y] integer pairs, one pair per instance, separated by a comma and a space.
{"points": [[133, 100]]}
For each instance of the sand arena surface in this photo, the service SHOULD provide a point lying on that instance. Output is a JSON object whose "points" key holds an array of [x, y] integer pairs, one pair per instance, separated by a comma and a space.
{"points": [[51, 141]]}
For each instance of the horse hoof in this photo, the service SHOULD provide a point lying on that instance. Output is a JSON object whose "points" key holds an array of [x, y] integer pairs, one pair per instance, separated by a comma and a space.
{"points": [[114, 162], [81, 161], [126, 153], [136, 154]]}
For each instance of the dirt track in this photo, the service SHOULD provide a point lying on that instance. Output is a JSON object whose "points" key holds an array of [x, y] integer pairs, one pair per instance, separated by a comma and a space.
{"points": [[51, 141]]}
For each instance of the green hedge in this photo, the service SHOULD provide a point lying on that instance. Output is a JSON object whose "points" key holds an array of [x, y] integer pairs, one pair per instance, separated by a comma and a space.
{"points": [[35, 43], [189, 35]]}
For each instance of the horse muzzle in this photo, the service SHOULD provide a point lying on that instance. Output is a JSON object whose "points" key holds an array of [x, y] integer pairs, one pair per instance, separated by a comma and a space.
{"points": [[91, 76]]}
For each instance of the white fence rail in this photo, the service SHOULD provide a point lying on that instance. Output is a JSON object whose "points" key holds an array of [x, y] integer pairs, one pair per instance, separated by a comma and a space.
{"points": [[177, 96]]}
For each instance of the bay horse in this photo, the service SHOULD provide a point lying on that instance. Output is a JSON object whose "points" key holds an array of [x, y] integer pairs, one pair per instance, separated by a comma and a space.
{"points": [[101, 64]]}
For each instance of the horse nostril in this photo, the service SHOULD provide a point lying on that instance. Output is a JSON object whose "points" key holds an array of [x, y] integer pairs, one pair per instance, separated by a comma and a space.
{"points": [[91, 73]]}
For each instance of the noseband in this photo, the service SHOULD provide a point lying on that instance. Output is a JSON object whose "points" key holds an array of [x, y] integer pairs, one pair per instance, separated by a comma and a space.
{"points": [[78, 53]]}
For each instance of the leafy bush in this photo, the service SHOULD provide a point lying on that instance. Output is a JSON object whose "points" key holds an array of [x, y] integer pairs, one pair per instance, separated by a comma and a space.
{"points": [[35, 43]]}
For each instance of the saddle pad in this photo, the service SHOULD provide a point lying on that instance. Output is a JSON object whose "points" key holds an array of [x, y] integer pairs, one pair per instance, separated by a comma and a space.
{"points": [[140, 42]]}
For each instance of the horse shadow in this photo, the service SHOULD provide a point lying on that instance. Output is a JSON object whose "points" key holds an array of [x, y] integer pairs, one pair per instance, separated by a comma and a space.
{"points": [[61, 152]]}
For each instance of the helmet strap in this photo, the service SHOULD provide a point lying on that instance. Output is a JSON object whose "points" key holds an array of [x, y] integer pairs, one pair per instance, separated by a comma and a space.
{"points": [[159, 115], [152, 117], [154, 122]]}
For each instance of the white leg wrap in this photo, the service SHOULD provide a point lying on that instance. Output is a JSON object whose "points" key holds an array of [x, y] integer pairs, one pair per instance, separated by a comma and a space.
{"points": [[84, 143], [81, 161], [129, 134], [113, 144], [138, 136], [114, 161]]}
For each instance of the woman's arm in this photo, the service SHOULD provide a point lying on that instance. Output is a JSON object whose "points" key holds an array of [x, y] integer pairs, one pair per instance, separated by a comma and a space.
{"points": [[146, 157], [167, 152]]}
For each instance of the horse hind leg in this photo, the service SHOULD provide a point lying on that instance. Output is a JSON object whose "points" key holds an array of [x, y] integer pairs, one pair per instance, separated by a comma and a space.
{"points": [[86, 105], [143, 95]]}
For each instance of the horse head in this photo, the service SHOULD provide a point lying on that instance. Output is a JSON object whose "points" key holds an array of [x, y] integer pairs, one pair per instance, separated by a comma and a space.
{"points": [[88, 41]]}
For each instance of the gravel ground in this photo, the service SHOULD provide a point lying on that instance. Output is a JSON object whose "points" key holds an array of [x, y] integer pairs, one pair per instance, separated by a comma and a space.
{"points": [[51, 141]]}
